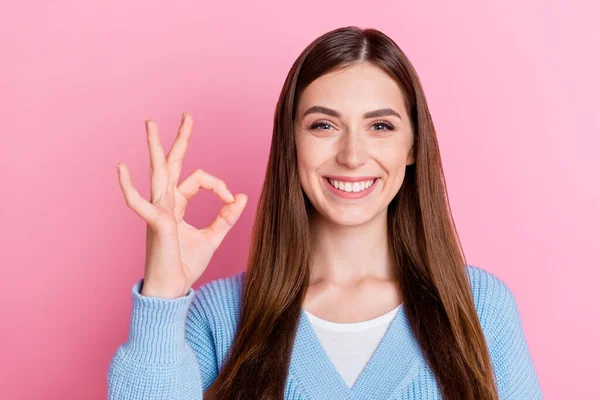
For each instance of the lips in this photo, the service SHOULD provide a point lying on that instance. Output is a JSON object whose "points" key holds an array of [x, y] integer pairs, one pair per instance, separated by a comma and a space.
{"points": [[350, 195]]}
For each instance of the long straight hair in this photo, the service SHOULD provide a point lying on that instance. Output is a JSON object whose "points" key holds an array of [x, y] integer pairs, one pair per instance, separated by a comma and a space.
{"points": [[423, 239]]}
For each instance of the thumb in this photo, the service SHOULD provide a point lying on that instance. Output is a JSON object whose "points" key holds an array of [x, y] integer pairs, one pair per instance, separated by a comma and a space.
{"points": [[228, 216]]}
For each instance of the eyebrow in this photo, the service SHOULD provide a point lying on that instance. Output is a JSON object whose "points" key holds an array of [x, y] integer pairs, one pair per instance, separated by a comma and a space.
{"points": [[371, 114]]}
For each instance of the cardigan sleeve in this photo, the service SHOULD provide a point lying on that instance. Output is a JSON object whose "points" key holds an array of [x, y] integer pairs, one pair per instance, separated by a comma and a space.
{"points": [[511, 359], [169, 353]]}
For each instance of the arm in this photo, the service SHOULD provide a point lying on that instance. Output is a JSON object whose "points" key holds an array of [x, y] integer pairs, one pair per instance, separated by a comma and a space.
{"points": [[169, 353], [513, 366]]}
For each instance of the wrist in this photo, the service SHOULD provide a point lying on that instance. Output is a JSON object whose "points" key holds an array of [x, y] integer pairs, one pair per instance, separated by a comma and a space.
{"points": [[152, 290]]}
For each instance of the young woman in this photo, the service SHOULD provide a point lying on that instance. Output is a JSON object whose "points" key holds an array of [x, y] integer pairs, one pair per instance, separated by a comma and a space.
{"points": [[356, 285]]}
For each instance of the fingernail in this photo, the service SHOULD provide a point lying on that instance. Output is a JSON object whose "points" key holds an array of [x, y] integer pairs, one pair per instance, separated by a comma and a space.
{"points": [[183, 117], [118, 167], [231, 196]]}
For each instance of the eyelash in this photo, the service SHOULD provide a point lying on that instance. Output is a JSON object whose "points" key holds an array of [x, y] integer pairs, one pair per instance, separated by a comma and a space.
{"points": [[387, 125]]}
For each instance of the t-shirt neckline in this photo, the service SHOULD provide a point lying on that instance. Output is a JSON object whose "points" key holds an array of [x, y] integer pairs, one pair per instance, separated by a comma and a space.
{"points": [[352, 326]]}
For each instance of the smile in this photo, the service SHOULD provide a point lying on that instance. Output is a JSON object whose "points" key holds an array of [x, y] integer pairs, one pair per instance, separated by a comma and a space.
{"points": [[351, 190]]}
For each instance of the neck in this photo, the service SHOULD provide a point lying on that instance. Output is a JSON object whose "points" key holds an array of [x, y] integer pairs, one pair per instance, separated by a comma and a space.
{"points": [[349, 254]]}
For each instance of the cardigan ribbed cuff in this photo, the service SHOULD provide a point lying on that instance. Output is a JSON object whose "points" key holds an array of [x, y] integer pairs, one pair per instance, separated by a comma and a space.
{"points": [[157, 330]]}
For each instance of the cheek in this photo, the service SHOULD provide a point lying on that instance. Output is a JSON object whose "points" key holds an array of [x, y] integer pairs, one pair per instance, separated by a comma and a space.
{"points": [[311, 153], [305, 158], [392, 155]]}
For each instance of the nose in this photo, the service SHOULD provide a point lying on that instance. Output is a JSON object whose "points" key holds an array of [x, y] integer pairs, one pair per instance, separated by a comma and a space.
{"points": [[352, 151]]}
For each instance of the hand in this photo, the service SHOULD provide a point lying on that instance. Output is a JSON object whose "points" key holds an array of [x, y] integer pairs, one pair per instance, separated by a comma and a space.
{"points": [[177, 254]]}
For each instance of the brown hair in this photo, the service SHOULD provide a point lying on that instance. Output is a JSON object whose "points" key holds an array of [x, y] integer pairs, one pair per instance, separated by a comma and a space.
{"points": [[422, 235]]}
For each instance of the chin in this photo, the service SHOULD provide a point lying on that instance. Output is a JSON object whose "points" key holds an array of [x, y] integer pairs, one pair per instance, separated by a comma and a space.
{"points": [[354, 217]]}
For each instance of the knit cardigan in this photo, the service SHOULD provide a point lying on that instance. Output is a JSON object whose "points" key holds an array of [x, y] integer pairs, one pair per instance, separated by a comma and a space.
{"points": [[176, 348]]}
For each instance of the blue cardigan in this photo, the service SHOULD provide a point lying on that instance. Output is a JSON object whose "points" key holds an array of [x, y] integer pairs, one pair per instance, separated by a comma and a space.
{"points": [[176, 347]]}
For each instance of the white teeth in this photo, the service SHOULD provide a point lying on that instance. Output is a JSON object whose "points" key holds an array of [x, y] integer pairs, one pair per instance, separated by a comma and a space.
{"points": [[352, 186]]}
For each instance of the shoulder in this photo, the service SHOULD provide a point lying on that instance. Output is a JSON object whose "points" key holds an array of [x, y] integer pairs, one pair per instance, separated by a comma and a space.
{"points": [[503, 330], [494, 300], [218, 301], [222, 289]]}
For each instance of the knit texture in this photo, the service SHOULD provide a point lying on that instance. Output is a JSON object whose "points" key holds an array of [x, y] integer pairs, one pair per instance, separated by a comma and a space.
{"points": [[176, 348]]}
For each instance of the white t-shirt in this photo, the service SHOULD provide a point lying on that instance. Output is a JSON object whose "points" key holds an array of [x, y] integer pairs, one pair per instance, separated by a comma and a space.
{"points": [[351, 345]]}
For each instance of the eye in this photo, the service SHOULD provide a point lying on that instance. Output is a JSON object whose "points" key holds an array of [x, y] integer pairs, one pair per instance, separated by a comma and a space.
{"points": [[385, 124], [317, 124]]}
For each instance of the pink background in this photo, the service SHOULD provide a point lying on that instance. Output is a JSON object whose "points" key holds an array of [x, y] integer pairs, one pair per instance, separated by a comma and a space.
{"points": [[512, 86]]}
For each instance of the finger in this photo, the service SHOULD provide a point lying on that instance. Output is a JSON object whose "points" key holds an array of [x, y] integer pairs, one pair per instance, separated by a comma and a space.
{"points": [[177, 152], [158, 164], [201, 179], [228, 216], [132, 197]]}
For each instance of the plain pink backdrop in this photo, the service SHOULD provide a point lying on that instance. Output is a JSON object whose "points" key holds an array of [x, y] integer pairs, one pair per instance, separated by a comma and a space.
{"points": [[512, 86]]}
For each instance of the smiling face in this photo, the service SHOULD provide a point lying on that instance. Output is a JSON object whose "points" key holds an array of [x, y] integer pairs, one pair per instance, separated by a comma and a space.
{"points": [[351, 124]]}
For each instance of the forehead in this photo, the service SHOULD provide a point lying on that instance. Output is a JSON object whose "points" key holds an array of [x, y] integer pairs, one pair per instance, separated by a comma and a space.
{"points": [[355, 89]]}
